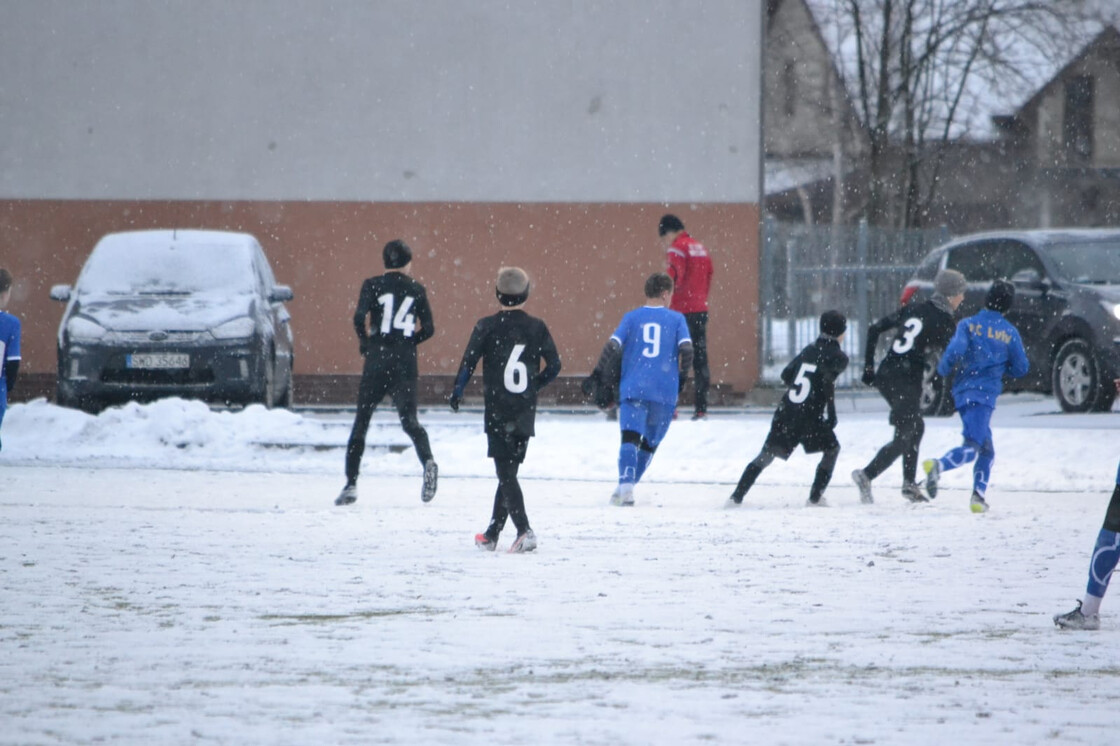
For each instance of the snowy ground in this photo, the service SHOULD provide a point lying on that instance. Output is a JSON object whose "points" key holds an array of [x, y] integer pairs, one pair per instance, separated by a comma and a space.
{"points": [[170, 574]]}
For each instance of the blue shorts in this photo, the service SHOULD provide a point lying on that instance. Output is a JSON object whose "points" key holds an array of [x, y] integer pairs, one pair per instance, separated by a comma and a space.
{"points": [[649, 419], [977, 421]]}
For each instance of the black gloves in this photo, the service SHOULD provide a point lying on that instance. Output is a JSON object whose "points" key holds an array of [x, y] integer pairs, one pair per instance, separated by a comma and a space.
{"points": [[453, 402], [868, 376]]}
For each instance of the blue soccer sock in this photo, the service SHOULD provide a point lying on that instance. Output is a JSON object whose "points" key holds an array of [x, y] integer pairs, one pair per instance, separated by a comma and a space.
{"points": [[957, 457], [628, 463], [644, 457], [1106, 552], [982, 472]]}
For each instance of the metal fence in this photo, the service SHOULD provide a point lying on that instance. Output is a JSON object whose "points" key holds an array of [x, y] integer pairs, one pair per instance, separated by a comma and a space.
{"points": [[858, 270]]}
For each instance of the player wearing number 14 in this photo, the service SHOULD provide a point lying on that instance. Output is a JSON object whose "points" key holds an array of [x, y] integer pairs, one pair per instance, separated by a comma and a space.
{"points": [[392, 317]]}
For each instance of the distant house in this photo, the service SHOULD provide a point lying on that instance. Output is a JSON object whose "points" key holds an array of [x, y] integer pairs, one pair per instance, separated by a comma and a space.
{"points": [[1066, 142], [813, 139], [1054, 161]]}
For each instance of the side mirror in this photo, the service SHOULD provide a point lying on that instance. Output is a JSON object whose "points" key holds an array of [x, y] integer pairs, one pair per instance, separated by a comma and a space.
{"points": [[280, 293], [1030, 279], [60, 292]]}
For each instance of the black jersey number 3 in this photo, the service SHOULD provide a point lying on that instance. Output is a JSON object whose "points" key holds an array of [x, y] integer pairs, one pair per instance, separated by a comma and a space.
{"points": [[402, 319]]}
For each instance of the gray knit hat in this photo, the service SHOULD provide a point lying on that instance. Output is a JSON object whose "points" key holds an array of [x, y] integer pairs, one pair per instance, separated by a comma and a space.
{"points": [[949, 282], [512, 287]]}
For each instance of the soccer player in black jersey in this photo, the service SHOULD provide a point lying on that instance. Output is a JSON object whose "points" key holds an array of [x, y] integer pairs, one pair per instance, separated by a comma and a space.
{"points": [[392, 317], [806, 415], [511, 345], [919, 329]]}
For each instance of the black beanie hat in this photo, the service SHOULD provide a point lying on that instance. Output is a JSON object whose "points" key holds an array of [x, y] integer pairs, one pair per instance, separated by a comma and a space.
{"points": [[396, 254], [669, 224], [833, 323], [1000, 296], [512, 287]]}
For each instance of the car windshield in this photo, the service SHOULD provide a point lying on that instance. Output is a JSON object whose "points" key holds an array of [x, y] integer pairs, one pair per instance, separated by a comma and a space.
{"points": [[1088, 263], [167, 269]]}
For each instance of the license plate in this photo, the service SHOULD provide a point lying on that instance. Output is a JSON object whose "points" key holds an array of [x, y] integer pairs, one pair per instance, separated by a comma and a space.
{"points": [[159, 360]]}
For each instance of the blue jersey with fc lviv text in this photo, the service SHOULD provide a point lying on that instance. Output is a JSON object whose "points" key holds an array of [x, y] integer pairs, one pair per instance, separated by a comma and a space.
{"points": [[984, 348], [9, 343], [651, 337]]}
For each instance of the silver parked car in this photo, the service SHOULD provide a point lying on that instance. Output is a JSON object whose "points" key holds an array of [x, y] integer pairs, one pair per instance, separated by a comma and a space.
{"points": [[188, 313]]}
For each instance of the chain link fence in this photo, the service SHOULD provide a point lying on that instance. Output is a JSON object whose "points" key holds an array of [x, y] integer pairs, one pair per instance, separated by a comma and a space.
{"points": [[858, 270]]}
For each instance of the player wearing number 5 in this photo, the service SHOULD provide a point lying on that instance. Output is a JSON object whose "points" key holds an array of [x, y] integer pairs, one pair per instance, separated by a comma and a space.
{"points": [[920, 329], [806, 415], [511, 345], [655, 347], [392, 317]]}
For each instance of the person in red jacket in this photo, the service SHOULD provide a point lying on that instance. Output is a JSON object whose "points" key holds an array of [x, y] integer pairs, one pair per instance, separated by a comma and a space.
{"points": [[690, 266]]}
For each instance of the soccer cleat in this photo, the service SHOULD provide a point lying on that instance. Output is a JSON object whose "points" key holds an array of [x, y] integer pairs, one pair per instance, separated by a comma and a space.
{"points": [[1078, 620], [525, 542], [699, 416], [913, 493], [977, 503], [348, 495], [932, 468], [820, 502], [864, 484], [734, 501], [431, 476], [623, 495], [482, 541]]}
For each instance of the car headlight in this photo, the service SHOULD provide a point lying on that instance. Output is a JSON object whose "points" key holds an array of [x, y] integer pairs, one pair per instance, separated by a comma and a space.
{"points": [[239, 328], [79, 329], [1111, 308]]}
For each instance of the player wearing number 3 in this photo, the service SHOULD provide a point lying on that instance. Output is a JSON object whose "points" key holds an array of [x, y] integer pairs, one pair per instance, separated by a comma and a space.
{"points": [[920, 328], [389, 308], [806, 415], [511, 345], [655, 348]]}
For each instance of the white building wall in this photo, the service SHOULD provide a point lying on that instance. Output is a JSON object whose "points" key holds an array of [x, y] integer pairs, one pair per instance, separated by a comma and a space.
{"points": [[381, 100]]}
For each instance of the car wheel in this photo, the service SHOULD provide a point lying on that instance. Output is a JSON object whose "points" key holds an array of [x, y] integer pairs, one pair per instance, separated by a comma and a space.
{"points": [[937, 399], [1076, 379], [266, 387], [286, 398]]}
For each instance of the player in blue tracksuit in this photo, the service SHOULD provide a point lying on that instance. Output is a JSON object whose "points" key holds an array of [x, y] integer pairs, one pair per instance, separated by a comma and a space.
{"points": [[9, 343], [655, 347], [984, 348]]}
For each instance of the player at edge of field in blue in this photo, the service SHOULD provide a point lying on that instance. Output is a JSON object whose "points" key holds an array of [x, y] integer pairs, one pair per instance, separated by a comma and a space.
{"points": [[10, 334], [984, 348], [1106, 553], [655, 346]]}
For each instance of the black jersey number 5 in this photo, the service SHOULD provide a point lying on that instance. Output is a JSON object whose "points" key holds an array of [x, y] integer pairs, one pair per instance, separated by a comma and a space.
{"points": [[801, 387], [402, 319], [516, 375]]}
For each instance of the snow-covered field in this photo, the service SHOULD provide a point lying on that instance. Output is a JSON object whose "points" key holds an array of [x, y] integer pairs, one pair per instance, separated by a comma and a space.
{"points": [[169, 574]]}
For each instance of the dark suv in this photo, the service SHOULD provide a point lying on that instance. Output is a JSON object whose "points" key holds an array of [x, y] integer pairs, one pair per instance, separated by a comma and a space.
{"points": [[1067, 308]]}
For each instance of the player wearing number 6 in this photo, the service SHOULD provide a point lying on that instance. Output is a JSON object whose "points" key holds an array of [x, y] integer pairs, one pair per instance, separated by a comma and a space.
{"points": [[655, 347], [920, 329], [392, 317], [511, 345], [806, 415]]}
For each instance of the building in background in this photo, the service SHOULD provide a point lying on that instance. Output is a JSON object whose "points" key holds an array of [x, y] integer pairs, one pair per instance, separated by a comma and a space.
{"points": [[550, 136]]}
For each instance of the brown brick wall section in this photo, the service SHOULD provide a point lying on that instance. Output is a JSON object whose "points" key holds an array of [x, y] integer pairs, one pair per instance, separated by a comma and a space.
{"points": [[588, 263]]}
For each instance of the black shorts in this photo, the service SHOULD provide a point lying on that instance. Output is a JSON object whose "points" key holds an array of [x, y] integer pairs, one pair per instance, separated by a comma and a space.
{"points": [[506, 447], [782, 441]]}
